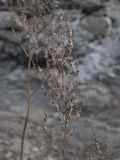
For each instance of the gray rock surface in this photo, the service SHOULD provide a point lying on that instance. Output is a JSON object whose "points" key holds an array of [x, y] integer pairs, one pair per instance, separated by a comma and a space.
{"points": [[97, 26], [86, 5], [10, 42], [13, 43], [9, 20]]}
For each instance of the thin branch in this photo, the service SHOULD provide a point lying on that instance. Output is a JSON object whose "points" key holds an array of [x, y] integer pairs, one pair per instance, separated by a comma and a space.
{"points": [[28, 108]]}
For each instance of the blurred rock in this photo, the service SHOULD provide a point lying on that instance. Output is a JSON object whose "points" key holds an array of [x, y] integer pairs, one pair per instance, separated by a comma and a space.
{"points": [[97, 26], [2, 157], [9, 20], [8, 2], [9, 41], [13, 43], [10, 37], [86, 6]]}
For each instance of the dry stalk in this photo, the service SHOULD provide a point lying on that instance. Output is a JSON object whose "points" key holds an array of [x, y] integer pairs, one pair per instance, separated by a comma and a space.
{"points": [[60, 70], [29, 94], [101, 150]]}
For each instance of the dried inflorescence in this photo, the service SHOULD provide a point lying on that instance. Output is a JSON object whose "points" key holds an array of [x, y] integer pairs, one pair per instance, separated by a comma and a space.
{"points": [[43, 16], [101, 150], [60, 74], [61, 67], [33, 16]]}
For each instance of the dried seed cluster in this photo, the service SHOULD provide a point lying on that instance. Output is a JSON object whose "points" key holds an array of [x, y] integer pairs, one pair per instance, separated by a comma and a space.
{"points": [[60, 67], [58, 45], [43, 16]]}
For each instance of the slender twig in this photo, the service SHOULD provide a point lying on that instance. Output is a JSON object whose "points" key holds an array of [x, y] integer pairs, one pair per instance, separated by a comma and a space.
{"points": [[65, 136], [28, 108], [29, 93]]}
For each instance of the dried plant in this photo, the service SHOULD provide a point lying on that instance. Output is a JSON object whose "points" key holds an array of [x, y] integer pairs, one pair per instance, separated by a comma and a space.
{"points": [[101, 150], [40, 16]]}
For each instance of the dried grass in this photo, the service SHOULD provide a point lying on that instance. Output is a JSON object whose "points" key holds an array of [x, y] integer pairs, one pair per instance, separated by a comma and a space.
{"points": [[40, 16]]}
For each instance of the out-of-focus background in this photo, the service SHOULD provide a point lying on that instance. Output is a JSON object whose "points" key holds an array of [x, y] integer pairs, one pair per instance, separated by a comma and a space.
{"points": [[96, 30]]}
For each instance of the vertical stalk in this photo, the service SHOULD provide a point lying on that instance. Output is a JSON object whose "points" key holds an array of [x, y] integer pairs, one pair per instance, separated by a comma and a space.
{"points": [[28, 107], [65, 136]]}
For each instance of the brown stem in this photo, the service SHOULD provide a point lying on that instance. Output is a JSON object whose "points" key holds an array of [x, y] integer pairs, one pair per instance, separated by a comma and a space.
{"points": [[28, 108], [65, 135]]}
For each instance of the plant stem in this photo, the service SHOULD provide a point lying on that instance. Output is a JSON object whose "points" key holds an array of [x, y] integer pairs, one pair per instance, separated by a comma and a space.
{"points": [[65, 136], [28, 107]]}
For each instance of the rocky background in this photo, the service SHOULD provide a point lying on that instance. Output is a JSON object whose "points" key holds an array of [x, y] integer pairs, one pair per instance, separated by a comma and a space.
{"points": [[96, 28]]}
